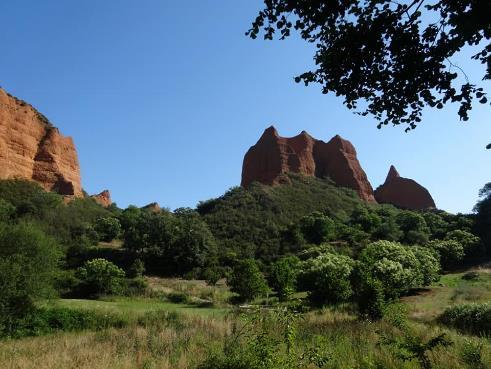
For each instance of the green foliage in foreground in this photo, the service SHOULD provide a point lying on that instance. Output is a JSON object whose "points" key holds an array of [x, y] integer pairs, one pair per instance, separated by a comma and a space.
{"points": [[327, 278], [267, 340], [471, 318], [247, 280], [28, 265], [101, 277], [43, 321]]}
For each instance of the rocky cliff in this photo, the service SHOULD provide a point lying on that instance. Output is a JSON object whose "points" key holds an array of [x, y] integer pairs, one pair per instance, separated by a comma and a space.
{"points": [[103, 199], [272, 157], [31, 148], [404, 192]]}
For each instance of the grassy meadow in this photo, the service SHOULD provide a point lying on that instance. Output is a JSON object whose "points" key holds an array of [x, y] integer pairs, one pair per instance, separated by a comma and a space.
{"points": [[163, 334]]}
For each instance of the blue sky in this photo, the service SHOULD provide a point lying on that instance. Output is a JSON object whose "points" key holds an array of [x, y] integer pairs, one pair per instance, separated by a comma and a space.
{"points": [[163, 99]]}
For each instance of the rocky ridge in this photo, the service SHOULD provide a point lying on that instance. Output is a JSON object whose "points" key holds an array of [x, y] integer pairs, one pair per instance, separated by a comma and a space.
{"points": [[271, 159]]}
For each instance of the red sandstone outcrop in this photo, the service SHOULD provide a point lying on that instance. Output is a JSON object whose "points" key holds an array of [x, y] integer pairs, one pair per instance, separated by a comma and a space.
{"points": [[103, 199], [272, 157], [153, 207], [32, 149], [404, 193]]}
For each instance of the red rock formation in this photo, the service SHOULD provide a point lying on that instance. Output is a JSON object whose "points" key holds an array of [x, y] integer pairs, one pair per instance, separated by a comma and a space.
{"points": [[103, 199], [272, 157], [31, 148], [153, 207], [404, 193]]}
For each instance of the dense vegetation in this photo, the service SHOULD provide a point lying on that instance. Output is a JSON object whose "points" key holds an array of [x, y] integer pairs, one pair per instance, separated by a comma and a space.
{"points": [[300, 246]]}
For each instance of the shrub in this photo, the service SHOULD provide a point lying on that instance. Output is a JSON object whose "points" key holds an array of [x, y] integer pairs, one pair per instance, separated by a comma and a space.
{"points": [[471, 318], [212, 275], [283, 276], [44, 321], [178, 298], [327, 278], [99, 276], [247, 280], [471, 276], [135, 286], [137, 269], [370, 298]]}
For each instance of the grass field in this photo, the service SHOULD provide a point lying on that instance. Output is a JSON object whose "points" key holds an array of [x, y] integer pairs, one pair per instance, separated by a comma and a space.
{"points": [[428, 303], [136, 306], [188, 334]]}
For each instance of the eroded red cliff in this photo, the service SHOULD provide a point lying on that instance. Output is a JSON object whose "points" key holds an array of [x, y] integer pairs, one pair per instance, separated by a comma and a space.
{"points": [[404, 193], [103, 199], [31, 148], [273, 157]]}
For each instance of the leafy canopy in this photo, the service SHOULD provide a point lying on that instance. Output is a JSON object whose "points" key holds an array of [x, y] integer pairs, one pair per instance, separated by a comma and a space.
{"points": [[393, 56]]}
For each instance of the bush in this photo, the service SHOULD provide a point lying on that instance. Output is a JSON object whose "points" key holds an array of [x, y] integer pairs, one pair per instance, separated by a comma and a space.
{"points": [[283, 276], [247, 280], [471, 318], [212, 275], [50, 320], [178, 298], [135, 286], [429, 264], [471, 276], [101, 277], [327, 278]]}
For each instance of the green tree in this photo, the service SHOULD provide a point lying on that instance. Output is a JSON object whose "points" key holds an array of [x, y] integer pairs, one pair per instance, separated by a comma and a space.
{"points": [[429, 264], [108, 228], [247, 280], [470, 242], [327, 278], [396, 266], [483, 215], [451, 252], [318, 228], [101, 277], [414, 227], [385, 54], [283, 276], [28, 265]]}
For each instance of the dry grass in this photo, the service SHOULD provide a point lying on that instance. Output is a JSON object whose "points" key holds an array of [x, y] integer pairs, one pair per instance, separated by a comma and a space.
{"points": [[196, 289], [177, 346]]}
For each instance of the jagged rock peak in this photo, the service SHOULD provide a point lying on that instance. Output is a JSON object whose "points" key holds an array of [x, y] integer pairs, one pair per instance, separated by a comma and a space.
{"points": [[31, 148], [393, 173], [273, 156], [103, 198], [404, 193]]}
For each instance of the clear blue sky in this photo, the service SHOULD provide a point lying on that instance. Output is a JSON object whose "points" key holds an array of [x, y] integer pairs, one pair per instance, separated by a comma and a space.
{"points": [[163, 99]]}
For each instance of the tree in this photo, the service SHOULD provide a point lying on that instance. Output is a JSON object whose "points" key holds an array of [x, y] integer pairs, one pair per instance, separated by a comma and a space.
{"points": [[483, 215], [451, 252], [414, 227], [327, 278], [318, 228], [100, 276], [247, 280], [108, 228], [28, 265], [283, 276], [392, 56], [396, 266]]}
